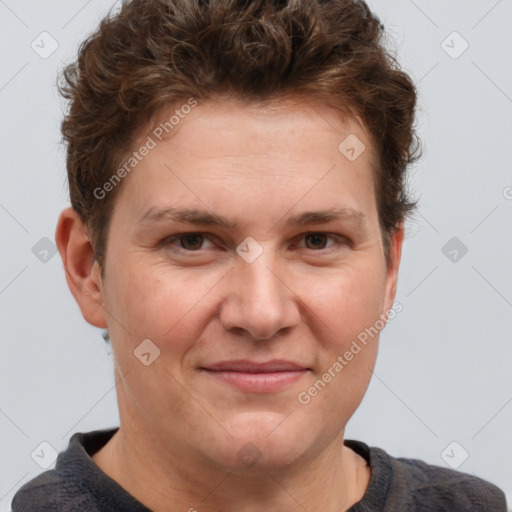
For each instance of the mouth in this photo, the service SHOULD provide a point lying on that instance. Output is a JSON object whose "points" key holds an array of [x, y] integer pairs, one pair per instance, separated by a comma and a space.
{"points": [[257, 377]]}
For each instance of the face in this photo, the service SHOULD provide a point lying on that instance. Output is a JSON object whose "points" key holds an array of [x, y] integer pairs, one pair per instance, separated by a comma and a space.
{"points": [[270, 284]]}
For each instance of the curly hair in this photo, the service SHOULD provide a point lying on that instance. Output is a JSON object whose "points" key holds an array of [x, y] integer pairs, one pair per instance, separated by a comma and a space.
{"points": [[156, 53]]}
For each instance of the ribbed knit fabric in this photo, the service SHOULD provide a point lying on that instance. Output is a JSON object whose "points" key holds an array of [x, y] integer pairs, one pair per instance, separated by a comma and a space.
{"points": [[77, 484]]}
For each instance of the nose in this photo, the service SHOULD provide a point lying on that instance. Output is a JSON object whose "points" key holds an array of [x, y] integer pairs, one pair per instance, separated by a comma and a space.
{"points": [[260, 300]]}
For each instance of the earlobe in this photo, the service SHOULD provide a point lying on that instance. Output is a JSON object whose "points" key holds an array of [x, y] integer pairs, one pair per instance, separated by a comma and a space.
{"points": [[81, 267]]}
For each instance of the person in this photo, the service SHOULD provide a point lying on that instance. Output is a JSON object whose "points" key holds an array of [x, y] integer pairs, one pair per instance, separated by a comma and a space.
{"points": [[237, 176]]}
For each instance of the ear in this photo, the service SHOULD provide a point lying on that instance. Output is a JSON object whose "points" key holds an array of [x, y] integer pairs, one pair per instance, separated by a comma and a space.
{"points": [[82, 270], [395, 254]]}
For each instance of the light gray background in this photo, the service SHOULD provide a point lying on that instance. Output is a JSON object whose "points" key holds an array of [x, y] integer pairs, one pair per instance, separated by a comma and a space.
{"points": [[444, 368]]}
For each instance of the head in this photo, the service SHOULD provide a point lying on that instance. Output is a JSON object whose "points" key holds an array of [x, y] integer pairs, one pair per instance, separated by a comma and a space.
{"points": [[235, 122]]}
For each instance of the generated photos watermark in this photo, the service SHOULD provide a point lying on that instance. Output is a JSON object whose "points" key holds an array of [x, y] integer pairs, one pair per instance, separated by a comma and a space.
{"points": [[304, 397], [150, 143]]}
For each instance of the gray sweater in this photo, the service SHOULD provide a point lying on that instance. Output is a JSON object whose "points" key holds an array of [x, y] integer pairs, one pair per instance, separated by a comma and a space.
{"points": [[397, 484]]}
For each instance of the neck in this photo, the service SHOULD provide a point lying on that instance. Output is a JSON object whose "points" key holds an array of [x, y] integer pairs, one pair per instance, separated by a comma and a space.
{"points": [[165, 478]]}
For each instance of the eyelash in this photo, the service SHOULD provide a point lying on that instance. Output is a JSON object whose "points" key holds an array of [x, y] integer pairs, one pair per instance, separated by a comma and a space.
{"points": [[169, 241]]}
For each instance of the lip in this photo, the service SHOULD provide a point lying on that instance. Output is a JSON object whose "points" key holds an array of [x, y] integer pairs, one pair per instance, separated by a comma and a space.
{"points": [[257, 377], [247, 366]]}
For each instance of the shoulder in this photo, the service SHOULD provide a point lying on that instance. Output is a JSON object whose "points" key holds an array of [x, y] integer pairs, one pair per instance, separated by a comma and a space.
{"points": [[446, 487], [69, 487], [411, 484], [49, 491]]}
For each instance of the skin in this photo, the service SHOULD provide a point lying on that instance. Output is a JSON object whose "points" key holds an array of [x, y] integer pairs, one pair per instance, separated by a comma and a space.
{"points": [[200, 303]]}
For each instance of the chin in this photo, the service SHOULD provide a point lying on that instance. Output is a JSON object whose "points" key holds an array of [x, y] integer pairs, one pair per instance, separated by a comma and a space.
{"points": [[265, 440]]}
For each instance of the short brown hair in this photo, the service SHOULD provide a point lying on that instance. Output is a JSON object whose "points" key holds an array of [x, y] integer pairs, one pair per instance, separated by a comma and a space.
{"points": [[161, 52]]}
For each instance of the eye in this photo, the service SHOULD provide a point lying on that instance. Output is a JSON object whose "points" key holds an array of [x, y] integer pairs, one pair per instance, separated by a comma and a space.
{"points": [[190, 242], [193, 242], [318, 241]]}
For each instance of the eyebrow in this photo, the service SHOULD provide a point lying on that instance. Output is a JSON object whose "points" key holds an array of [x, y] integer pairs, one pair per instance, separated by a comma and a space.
{"points": [[207, 218]]}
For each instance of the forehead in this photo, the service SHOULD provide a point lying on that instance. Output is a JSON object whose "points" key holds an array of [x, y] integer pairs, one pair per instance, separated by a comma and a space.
{"points": [[226, 152], [266, 119]]}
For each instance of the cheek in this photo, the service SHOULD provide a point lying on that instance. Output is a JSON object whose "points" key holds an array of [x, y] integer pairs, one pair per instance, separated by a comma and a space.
{"points": [[345, 311], [161, 305], [350, 309], [346, 303]]}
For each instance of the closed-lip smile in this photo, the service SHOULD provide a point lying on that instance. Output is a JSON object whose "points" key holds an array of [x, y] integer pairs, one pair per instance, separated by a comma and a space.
{"points": [[245, 365], [257, 377]]}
